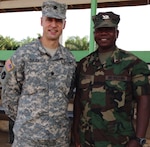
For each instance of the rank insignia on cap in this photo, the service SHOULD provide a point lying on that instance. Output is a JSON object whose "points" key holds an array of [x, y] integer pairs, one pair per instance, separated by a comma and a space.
{"points": [[9, 65], [54, 9], [105, 17]]}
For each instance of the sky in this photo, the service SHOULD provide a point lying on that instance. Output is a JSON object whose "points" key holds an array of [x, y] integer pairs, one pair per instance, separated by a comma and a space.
{"points": [[134, 26]]}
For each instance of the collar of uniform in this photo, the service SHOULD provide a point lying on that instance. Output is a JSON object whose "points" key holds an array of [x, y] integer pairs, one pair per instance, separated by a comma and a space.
{"points": [[116, 56], [41, 48], [59, 52], [93, 59]]}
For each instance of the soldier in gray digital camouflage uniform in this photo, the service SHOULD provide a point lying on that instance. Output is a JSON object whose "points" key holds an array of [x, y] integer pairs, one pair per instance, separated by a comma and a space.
{"points": [[109, 82], [37, 84]]}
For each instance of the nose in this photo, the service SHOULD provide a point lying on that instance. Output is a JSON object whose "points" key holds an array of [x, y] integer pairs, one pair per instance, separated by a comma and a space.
{"points": [[53, 22]]}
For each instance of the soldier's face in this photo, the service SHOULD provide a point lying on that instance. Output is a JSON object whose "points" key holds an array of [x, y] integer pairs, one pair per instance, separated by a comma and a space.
{"points": [[106, 37], [52, 27]]}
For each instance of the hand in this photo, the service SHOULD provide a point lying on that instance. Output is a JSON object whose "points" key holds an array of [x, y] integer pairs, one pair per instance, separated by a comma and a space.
{"points": [[77, 140], [77, 145], [133, 143]]}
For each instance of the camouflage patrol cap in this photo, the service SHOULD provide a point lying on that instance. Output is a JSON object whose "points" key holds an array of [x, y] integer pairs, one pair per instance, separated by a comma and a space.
{"points": [[54, 9], [106, 19]]}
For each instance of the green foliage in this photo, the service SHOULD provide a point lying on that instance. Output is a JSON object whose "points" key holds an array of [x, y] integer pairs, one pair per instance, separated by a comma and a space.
{"points": [[73, 43], [25, 41], [7, 43], [77, 43]]}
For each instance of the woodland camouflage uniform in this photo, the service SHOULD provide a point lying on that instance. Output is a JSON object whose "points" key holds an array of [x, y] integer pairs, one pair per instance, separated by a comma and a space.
{"points": [[107, 93]]}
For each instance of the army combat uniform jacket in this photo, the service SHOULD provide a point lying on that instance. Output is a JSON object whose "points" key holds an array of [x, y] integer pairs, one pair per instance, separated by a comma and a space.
{"points": [[107, 92], [36, 88]]}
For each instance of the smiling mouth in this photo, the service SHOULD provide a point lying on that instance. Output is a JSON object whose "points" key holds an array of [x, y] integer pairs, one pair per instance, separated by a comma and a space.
{"points": [[104, 39], [52, 31]]}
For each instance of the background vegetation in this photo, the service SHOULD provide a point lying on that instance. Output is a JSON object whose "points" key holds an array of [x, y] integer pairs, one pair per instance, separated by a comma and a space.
{"points": [[73, 43]]}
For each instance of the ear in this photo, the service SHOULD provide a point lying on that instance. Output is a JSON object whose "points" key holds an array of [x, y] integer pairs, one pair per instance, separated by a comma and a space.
{"points": [[41, 21], [117, 33], [64, 24]]}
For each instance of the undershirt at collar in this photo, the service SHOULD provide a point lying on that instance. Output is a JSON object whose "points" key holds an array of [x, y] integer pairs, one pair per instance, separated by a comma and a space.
{"points": [[51, 51], [103, 56]]}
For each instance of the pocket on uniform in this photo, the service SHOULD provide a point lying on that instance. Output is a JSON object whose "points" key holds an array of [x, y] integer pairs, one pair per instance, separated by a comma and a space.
{"points": [[85, 85], [34, 86]]}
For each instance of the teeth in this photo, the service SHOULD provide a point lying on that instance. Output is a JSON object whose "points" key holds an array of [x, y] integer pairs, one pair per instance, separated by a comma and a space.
{"points": [[103, 39], [52, 30]]}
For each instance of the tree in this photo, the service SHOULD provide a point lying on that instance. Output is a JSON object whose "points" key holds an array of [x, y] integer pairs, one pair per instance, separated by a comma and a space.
{"points": [[77, 43], [25, 41], [7, 43], [73, 43]]}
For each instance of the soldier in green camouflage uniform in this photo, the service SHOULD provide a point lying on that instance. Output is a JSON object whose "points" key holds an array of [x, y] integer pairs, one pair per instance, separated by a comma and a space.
{"points": [[37, 84], [109, 82]]}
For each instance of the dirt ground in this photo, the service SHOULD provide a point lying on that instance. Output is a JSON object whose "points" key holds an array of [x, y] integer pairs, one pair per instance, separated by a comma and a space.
{"points": [[4, 135]]}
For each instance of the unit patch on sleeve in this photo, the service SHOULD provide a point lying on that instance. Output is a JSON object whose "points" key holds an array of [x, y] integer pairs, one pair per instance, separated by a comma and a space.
{"points": [[9, 65]]}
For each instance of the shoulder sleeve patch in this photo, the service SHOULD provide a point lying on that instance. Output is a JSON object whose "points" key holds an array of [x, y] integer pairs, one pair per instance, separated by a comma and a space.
{"points": [[9, 65]]}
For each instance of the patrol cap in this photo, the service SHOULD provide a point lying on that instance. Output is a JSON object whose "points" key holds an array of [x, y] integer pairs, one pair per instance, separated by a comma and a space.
{"points": [[54, 9], [106, 19]]}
